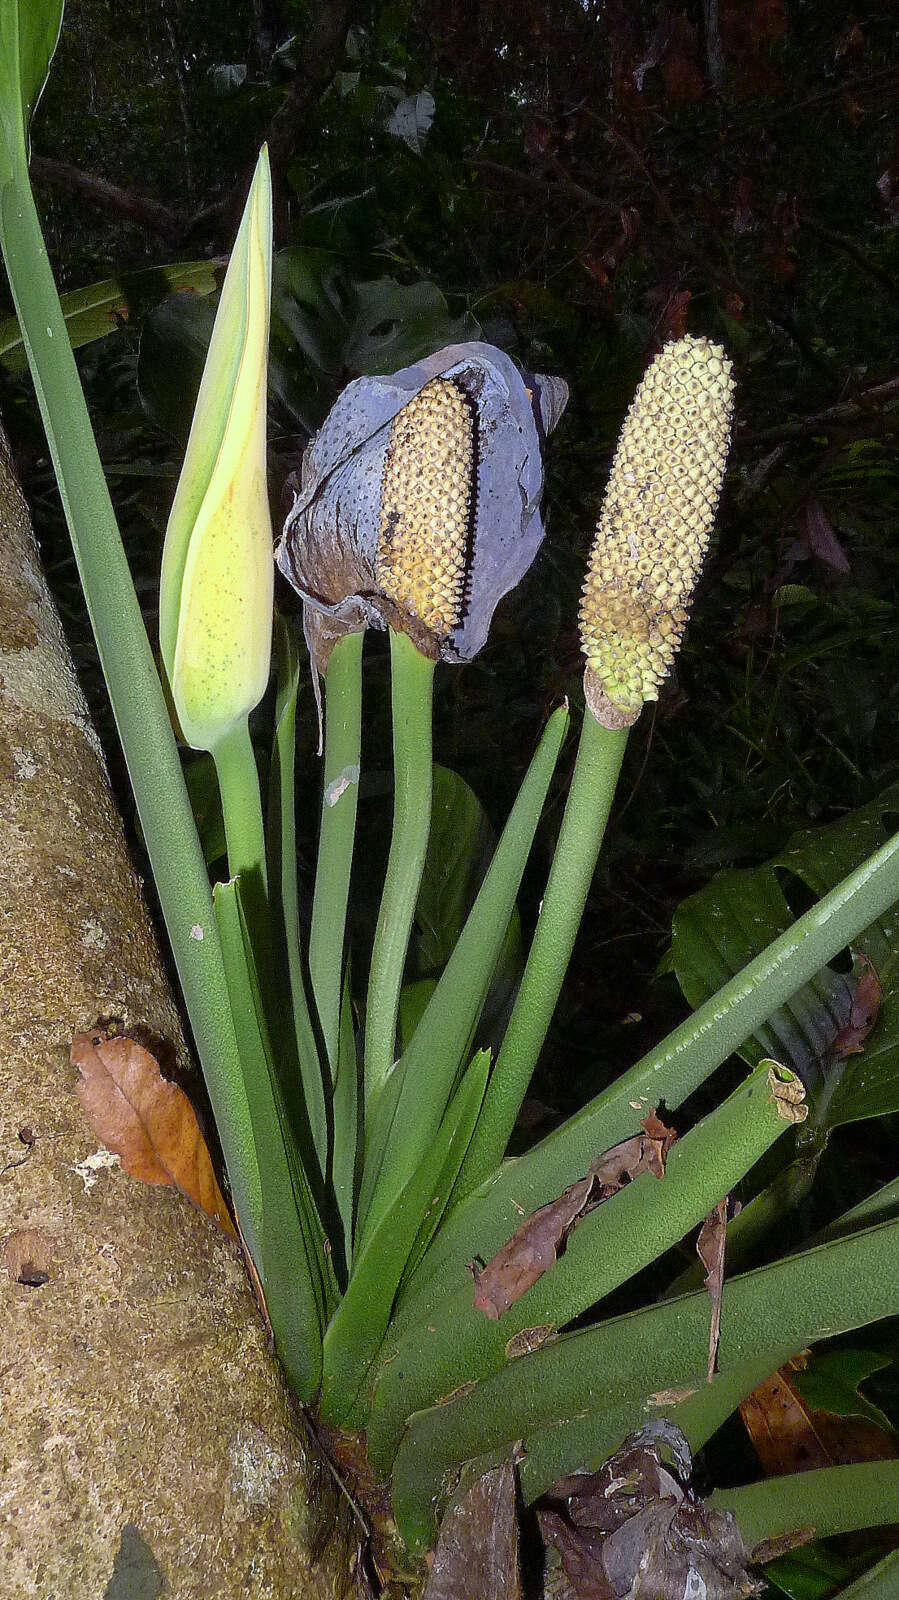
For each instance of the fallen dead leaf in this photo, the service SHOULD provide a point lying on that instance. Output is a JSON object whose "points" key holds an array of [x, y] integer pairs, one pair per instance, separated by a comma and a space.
{"points": [[710, 1250], [145, 1120], [477, 1550], [789, 1435], [534, 1246], [637, 1527]]}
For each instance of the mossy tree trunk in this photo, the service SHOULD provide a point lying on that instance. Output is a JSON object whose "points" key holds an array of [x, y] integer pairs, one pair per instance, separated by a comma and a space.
{"points": [[149, 1445]]}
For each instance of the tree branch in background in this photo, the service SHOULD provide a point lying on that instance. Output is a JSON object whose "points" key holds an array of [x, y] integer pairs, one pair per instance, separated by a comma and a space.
{"points": [[321, 58], [124, 203]]}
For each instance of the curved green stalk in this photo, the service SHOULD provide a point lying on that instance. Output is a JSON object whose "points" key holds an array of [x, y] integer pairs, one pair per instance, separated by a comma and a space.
{"points": [[669, 1073], [151, 754], [609, 1246], [340, 777], [593, 782], [828, 1501], [412, 679], [632, 1361], [420, 1088]]}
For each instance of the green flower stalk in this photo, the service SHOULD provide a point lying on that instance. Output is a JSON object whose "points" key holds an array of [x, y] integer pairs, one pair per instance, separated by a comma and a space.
{"points": [[650, 542], [426, 496], [654, 529], [216, 594]]}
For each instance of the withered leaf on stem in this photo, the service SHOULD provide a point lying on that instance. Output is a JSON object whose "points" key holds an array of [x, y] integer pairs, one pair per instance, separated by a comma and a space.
{"points": [[145, 1120], [863, 1013], [710, 1250], [534, 1246], [790, 1435], [477, 1551]]}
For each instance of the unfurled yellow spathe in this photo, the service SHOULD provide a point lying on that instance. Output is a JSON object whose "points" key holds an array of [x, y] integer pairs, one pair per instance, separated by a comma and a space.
{"points": [[654, 528], [216, 593]]}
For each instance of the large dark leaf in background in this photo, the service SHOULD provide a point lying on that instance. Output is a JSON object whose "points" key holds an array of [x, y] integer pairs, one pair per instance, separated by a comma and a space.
{"points": [[326, 329], [717, 931]]}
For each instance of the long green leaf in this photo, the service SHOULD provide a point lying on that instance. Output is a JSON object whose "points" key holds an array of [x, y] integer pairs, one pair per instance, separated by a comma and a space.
{"points": [[669, 1073], [424, 1360], [102, 308], [722, 927], [633, 1360], [360, 1322], [29, 33], [831, 1500], [292, 1253]]}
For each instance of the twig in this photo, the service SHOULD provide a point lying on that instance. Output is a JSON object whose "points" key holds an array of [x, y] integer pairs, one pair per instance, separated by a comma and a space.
{"points": [[108, 196], [848, 248], [844, 411]]}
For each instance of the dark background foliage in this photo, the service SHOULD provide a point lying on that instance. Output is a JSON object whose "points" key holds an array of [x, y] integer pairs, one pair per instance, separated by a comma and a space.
{"points": [[595, 178]]}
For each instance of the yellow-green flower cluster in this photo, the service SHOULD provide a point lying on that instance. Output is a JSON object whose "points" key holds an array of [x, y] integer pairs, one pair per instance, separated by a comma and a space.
{"points": [[654, 528], [426, 495]]}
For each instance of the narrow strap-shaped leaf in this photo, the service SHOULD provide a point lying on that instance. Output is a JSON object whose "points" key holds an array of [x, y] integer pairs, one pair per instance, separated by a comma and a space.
{"points": [[669, 1073], [831, 1500], [812, 1295], [605, 1249], [282, 855], [346, 1119], [340, 793], [361, 1320], [422, 1082], [878, 1583], [292, 1255]]}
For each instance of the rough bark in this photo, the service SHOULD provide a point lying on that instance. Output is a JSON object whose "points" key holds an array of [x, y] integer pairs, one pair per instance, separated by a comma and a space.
{"points": [[149, 1446]]}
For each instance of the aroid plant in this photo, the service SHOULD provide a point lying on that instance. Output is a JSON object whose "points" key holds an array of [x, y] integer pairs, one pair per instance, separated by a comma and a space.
{"points": [[423, 1289]]}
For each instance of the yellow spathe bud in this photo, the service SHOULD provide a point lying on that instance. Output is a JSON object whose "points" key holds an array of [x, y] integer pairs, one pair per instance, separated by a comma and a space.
{"points": [[654, 527], [425, 506], [216, 591]]}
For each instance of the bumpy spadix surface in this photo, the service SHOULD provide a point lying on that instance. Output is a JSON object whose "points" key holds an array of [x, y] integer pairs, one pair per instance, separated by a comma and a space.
{"points": [[426, 494], [654, 528]]}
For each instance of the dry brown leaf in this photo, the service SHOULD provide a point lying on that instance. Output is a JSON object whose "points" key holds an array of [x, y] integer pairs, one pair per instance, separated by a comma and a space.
{"points": [[637, 1527], [534, 1246], [787, 1092], [789, 1435], [710, 1250], [148, 1122], [863, 1014], [477, 1551]]}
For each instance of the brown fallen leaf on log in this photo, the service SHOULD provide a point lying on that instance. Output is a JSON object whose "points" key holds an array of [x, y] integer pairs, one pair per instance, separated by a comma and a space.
{"points": [[477, 1551], [145, 1120], [534, 1246]]}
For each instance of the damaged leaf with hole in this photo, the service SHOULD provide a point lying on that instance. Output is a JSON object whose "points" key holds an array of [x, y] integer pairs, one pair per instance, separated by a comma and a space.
{"points": [[336, 544]]}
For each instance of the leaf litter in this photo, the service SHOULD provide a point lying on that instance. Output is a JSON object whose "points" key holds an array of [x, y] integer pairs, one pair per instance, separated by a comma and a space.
{"points": [[636, 1529], [541, 1238], [146, 1121]]}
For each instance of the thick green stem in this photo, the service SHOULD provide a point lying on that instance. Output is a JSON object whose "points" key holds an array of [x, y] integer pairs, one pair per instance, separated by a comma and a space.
{"points": [[343, 743], [179, 870], [238, 779], [593, 782], [829, 1501], [412, 693]]}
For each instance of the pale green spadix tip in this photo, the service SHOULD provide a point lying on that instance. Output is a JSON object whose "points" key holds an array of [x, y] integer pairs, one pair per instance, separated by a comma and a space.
{"points": [[216, 591]]}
